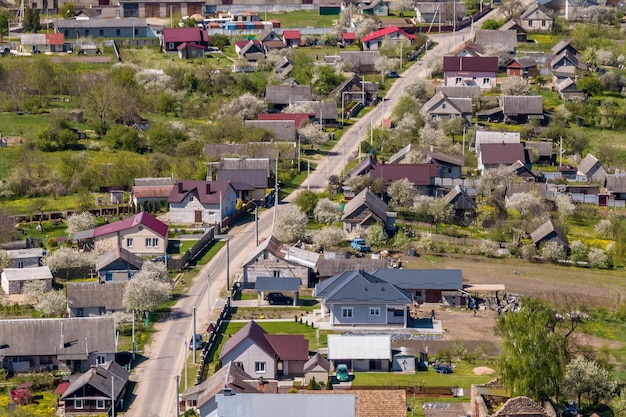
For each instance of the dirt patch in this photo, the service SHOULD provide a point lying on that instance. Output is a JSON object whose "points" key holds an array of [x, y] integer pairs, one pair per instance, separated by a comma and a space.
{"points": [[483, 370]]}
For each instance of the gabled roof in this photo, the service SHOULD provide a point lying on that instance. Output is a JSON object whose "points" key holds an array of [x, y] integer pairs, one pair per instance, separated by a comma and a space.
{"points": [[545, 229], [502, 153], [229, 375], [359, 287], [144, 218], [588, 162], [300, 119], [521, 407], [162, 191], [189, 35], [460, 199], [330, 267], [283, 130], [267, 34], [96, 294], [359, 347], [512, 25], [426, 279], [64, 338], [537, 9], [417, 174], [364, 167], [270, 150], [132, 261], [315, 361], [26, 253], [370, 200], [543, 148], [615, 183], [246, 163], [153, 182], [561, 45], [207, 192], [289, 347], [569, 57], [27, 274], [55, 39], [471, 48], [251, 331], [251, 47], [287, 93], [291, 34], [563, 84], [283, 251], [528, 105], [490, 136], [470, 63], [460, 106], [184, 45], [459, 91], [523, 62], [257, 178], [99, 377], [389, 30], [506, 39]]}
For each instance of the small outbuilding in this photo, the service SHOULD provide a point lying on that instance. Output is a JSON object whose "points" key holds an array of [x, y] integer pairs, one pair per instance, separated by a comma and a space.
{"points": [[317, 367], [13, 279]]}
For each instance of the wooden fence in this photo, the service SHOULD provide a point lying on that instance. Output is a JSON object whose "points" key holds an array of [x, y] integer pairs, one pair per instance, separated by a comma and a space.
{"points": [[178, 264]]}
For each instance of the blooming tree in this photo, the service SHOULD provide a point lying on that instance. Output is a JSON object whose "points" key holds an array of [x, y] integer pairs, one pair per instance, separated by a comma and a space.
{"points": [[553, 250], [246, 106], [515, 86], [402, 193], [80, 221], [525, 203], [327, 211], [565, 206], [68, 257], [578, 251], [291, 224], [597, 258], [313, 134], [328, 237]]}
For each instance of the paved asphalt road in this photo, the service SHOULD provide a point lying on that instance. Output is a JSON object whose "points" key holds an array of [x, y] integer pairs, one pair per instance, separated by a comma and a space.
{"points": [[156, 388]]}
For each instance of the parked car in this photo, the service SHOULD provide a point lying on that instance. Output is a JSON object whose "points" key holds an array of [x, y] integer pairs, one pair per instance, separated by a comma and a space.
{"points": [[197, 339], [393, 74], [443, 368], [278, 298], [341, 373], [360, 245]]}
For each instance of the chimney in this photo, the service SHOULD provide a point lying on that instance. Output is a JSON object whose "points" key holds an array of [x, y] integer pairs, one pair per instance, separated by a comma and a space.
{"points": [[62, 338], [460, 63], [208, 188], [180, 187]]}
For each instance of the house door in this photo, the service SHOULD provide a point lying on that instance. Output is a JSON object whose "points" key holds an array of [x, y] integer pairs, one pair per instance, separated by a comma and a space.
{"points": [[279, 368], [198, 216]]}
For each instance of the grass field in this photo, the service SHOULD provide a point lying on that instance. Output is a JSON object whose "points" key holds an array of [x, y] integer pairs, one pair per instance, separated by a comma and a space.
{"points": [[301, 19]]}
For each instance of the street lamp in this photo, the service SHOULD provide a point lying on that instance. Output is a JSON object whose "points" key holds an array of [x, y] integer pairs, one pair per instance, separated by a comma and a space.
{"points": [[256, 218], [193, 336], [342, 106]]}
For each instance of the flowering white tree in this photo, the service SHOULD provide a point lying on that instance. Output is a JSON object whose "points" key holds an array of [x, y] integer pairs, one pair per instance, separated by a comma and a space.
{"points": [[155, 270], [327, 211], [553, 250], [291, 224], [401, 5], [578, 251], [68, 257], [597, 258], [402, 193], [515, 86], [584, 376], [50, 303], [420, 89], [329, 237], [102, 246], [246, 106], [5, 259], [432, 136], [525, 203], [564, 205], [145, 294], [376, 235], [78, 222], [33, 291], [313, 134], [384, 65], [528, 252], [441, 211], [365, 26]]}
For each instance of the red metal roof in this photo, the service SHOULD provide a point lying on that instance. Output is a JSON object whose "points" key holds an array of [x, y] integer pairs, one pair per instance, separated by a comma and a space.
{"points": [[184, 35], [191, 45], [143, 218], [389, 30], [299, 118], [291, 34], [470, 63], [348, 36], [418, 174], [55, 39], [62, 387], [289, 347]]}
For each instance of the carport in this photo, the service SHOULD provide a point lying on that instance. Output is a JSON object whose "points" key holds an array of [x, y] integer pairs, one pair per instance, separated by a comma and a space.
{"points": [[271, 284]]}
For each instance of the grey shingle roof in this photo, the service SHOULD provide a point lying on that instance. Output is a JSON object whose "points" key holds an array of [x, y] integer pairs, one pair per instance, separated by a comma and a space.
{"points": [[286, 94], [316, 360], [536, 8], [506, 39], [542, 148], [132, 260], [99, 377], [68, 339], [283, 251], [153, 182], [330, 267], [282, 129], [371, 201], [512, 25], [616, 183], [587, 163], [545, 229], [520, 406], [63, 24], [425, 279], [532, 105], [358, 287], [271, 150], [27, 274], [277, 284], [460, 199], [558, 48], [459, 91], [96, 294], [257, 178]]}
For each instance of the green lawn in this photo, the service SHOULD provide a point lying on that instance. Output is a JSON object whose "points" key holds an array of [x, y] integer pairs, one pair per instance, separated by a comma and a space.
{"points": [[301, 19]]}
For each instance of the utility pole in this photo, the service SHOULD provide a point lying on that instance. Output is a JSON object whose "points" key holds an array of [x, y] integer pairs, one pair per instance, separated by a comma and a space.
{"points": [[228, 263], [177, 395], [208, 292], [193, 336], [308, 176], [133, 334]]}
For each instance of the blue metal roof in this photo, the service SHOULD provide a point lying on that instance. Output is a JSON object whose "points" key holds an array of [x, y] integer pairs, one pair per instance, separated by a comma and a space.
{"points": [[422, 279]]}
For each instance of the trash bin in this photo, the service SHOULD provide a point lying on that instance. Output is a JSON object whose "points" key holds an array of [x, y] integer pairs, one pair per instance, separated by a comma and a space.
{"points": [[411, 252]]}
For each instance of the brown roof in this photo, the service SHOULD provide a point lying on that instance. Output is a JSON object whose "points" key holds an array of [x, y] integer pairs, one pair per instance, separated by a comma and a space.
{"points": [[162, 191], [95, 294], [521, 406], [228, 375], [316, 360], [207, 192], [286, 94], [417, 174], [289, 347], [470, 63], [502, 153], [374, 403], [251, 331]]}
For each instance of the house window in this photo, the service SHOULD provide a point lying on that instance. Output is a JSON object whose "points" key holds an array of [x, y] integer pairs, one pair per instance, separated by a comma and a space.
{"points": [[102, 311], [192, 403], [171, 46], [190, 198], [458, 80], [443, 106], [276, 274], [418, 293], [136, 32], [118, 32], [78, 404], [543, 23], [20, 264], [80, 312], [155, 243], [86, 32], [148, 242], [66, 33], [101, 360], [259, 367], [129, 242], [101, 32], [346, 312], [530, 23], [486, 80], [100, 404], [374, 311]]}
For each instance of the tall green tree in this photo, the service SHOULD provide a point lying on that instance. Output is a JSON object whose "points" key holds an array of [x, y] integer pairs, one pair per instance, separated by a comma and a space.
{"points": [[31, 22], [533, 352]]}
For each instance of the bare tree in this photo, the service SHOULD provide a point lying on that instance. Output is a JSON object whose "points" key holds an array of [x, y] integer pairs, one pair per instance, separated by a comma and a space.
{"points": [[511, 8]]}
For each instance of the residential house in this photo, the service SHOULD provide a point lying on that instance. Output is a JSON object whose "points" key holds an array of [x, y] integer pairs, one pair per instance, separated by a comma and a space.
{"points": [[501, 40], [489, 136], [537, 18], [469, 71], [42, 42], [365, 210], [267, 35], [442, 108], [201, 397], [360, 353], [567, 62], [249, 184], [543, 152], [523, 171], [592, 168], [359, 61], [522, 67], [251, 50], [281, 130], [365, 166], [464, 206], [459, 91], [469, 49], [26, 258], [291, 38], [328, 267], [283, 68], [105, 28], [272, 258], [207, 202], [520, 109], [427, 285], [567, 88], [118, 264], [280, 96], [325, 111], [317, 367], [422, 176], [522, 34], [92, 391], [549, 231], [247, 163], [372, 41], [271, 150], [616, 185], [172, 38], [86, 299], [152, 191], [445, 13], [538, 188], [354, 298], [568, 172], [13, 279], [266, 355], [190, 50], [448, 166], [375, 8], [300, 119], [65, 344], [563, 46], [493, 155], [355, 90], [141, 234], [348, 38]]}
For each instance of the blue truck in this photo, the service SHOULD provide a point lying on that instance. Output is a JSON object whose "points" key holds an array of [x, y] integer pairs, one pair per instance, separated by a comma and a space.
{"points": [[360, 245]]}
